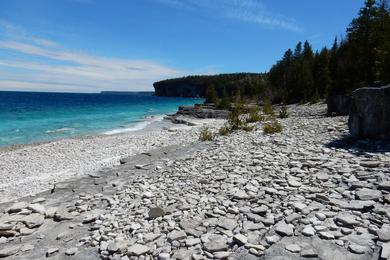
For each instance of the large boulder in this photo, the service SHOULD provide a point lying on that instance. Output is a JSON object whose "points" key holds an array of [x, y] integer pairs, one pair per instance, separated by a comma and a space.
{"points": [[338, 105], [370, 113]]}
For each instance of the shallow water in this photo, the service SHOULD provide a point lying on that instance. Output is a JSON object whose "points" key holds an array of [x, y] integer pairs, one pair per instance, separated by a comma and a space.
{"points": [[27, 117]]}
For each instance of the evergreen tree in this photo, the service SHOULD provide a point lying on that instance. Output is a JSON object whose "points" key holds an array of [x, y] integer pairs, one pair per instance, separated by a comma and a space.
{"points": [[361, 36], [306, 79], [298, 50], [383, 50], [333, 65], [321, 73], [211, 95], [225, 101]]}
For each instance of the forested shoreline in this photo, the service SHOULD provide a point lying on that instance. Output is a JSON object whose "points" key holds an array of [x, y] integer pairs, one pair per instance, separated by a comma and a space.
{"points": [[360, 59]]}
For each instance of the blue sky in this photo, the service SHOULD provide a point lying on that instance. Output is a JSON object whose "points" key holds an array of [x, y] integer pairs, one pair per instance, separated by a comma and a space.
{"points": [[94, 45]]}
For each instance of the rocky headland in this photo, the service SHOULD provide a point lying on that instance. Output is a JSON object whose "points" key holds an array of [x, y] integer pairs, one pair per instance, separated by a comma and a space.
{"points": [[309, 192]]}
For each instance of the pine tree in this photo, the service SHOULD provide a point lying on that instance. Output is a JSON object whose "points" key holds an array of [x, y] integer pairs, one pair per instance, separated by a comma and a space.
{"points": [[211, 95], [225, 101], [321, 73], [298, 50], [307, 80], [333, 65], [383, 50], [362, 39]]}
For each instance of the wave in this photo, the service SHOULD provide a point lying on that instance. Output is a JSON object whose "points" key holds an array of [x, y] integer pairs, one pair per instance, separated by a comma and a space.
{"points": [[135, 127], [59, 130]]}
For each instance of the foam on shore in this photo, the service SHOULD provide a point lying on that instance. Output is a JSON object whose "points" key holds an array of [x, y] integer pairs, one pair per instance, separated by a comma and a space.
{"points": [[136, 127]]}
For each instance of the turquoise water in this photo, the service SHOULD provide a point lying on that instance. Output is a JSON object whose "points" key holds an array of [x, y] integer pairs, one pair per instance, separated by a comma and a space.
{"points": [[27, 117]]}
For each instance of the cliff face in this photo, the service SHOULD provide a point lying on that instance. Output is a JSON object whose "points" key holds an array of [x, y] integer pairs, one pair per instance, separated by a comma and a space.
{"points": [[178, 89]]}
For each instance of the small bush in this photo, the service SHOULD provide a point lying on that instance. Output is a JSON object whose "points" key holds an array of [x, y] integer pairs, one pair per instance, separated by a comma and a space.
{"points": [[225, 101], [315, 98], [234, 120], [272, 127], [254, 115], [236, 111], [283, 113], [224, 130], [206, 135], [248, 128], [211, 95], [268, 108]]}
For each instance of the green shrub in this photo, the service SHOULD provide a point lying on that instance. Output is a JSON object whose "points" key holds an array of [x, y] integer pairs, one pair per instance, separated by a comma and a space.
{"points": [[268, 109], [225, 101], [206, 135], [254, 115], [315, 98], [248, 128], [236, 111], [211, 95], [283, 113], [239, 103], [272, 127], [234, 119], [224, 130]]}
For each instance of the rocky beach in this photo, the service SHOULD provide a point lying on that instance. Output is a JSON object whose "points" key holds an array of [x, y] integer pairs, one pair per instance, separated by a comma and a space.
{"points": [[309, 192], [29, 169]]}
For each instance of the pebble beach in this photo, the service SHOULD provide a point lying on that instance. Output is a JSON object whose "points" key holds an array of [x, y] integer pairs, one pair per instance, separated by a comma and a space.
{"points": [[29, 169]]}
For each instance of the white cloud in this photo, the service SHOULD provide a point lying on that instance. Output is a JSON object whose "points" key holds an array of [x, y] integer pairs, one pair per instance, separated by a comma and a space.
{"points": [[252, 11], [59, 69]]}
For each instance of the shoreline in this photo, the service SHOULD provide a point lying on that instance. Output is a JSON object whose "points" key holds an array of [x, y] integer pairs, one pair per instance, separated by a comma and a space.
{"points": [[32, 168], [147, 127]]}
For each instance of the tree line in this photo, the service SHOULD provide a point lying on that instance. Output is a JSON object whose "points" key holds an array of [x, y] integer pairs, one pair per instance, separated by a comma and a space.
{"points": [[360, 59]]}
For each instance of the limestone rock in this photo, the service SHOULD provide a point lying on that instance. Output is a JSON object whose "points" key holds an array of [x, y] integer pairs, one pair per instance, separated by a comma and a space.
{"points": [[71, 251], [216, 243], [227, 223], [37, 208], [62, 214], [52, 251], [284, 229], [33, 220], [385, 250], [357, 249], [385, 185], [156, 212], [294, 248], [346, 219], [9, 251], [368, 194], [309, 252], [137, 250], [176, 235], [370, 113], [18, 206], [240, 239], [384, 233]]}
